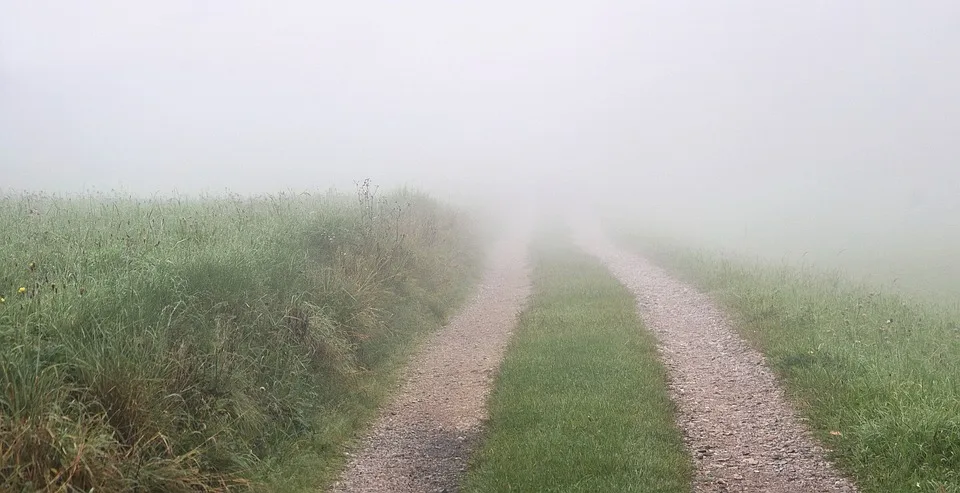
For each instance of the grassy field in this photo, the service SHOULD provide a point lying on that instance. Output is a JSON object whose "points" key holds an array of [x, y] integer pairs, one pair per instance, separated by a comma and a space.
{"points": [[189, 345], [580, 403], [877, 374], [900, 253]]}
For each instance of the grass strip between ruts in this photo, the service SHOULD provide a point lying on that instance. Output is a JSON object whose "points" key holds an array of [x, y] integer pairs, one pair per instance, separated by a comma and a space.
{"points": [[581, 399]]}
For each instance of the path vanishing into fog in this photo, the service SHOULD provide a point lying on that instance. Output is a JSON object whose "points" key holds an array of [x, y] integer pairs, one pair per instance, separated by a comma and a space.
{"points": [[423, 439], [741, 432], [737, 424]]}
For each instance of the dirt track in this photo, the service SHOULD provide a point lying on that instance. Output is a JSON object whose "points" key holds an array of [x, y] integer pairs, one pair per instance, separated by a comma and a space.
{"points": [[737, 423], [741, 432], [422, 441]]}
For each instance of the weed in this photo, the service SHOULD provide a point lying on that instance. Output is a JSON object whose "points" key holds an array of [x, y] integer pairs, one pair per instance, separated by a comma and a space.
{"points": [[209, 344]]}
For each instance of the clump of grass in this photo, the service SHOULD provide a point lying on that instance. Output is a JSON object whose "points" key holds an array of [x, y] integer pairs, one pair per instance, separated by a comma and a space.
{"points": [[209, 344], [580, 403], [877, 374]]}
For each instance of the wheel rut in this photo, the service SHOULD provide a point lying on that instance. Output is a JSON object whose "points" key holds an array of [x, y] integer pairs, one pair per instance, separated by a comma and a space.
{"points": [[422, 440], [741, 431]]}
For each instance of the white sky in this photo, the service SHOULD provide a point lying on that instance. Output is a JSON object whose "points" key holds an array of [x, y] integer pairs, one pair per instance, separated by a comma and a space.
{"points": [[681, 104]]}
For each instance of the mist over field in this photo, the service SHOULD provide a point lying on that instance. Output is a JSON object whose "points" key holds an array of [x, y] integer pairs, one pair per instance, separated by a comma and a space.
{"points": [[779, 128], [447, 245]]}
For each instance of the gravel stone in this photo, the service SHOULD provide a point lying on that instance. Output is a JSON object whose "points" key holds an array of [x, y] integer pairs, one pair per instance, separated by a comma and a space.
{"points": [[423, 439], [736, 421]]}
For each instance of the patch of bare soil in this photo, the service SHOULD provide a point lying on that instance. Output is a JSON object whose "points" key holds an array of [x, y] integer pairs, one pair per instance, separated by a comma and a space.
{"points": [[423, 439], [740, 429]]}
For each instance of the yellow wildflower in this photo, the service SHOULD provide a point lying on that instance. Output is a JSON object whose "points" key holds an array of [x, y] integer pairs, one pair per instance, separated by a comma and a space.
{"points": [[2, 299], [22, 290]]}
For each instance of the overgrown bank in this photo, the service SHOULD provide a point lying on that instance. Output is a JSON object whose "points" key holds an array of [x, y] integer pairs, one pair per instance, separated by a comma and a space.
{"points": [[185, 345], [877, 375]]}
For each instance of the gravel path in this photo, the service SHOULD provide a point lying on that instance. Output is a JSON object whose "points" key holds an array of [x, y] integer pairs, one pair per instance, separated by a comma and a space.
{"points": [[422, 441], [736, 421]]}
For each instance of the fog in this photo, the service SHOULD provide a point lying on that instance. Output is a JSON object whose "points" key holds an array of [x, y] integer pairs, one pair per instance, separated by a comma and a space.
{"points": [[751, 123]]}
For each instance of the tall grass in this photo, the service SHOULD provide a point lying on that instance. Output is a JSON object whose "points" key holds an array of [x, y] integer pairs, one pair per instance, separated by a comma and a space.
{"points": [[189, 345], [877, 374]]}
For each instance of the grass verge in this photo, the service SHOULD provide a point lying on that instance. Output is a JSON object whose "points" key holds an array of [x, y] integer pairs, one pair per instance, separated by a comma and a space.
{"points": [[580, 403], [877, 375], [215, 344]]}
